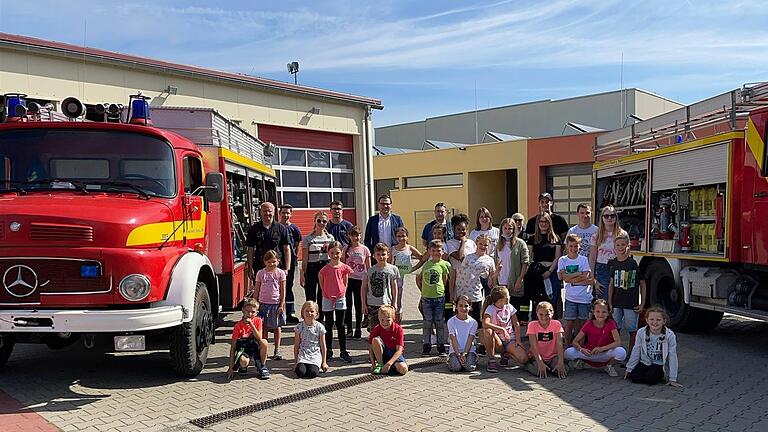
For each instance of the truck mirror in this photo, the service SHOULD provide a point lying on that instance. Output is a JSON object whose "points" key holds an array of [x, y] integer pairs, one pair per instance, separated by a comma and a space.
{"points": [[214, 191]]}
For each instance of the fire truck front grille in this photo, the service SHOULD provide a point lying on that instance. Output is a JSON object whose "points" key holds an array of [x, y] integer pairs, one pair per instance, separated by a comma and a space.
{"points": [[26, 279], [60, 232]]}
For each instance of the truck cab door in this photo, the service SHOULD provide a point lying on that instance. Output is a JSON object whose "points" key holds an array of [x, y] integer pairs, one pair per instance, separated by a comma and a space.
{"points": [[758, 175], [194, 215]]}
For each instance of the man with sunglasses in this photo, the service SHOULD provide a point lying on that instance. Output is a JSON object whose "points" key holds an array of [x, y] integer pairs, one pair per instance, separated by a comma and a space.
{"points": [[263, 236], [337, 226], [381, 227], [558, 222], [440, 220]]}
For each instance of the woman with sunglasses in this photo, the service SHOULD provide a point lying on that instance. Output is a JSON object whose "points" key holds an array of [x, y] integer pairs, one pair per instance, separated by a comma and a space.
{"points": [[601, 249], [314, 252]]}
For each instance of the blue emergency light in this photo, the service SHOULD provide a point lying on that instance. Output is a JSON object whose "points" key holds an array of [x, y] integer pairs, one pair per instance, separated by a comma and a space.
{"points": [[140, 110], [90, 271], [15, 106]]}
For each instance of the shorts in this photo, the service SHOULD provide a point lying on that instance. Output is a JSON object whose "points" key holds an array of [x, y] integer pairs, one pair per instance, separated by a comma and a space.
{"points": [[388, 354], [626, 319], [575, 310], [272, 319], [329, 305], [248, 346], [506, 343]]}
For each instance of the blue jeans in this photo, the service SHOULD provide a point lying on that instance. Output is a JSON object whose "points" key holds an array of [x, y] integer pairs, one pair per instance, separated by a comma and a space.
{"points": [[434, 310], [603, 276]]}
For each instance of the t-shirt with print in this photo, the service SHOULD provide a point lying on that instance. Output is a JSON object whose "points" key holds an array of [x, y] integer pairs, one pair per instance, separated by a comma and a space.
{"points": [[317, 247], [492, 233], [340, 231], [502, 317], [461, 329], [402, 260], [575, 293], [243, 331], [596, 337], [356, 258], [433, 275], [333, 280], [655, 349], [606, 250], [546, 337], [468, 276], [269, 291], [392, 336], [309, 347], [626, 278], [586, 236], [380, 284], [452, 246]]}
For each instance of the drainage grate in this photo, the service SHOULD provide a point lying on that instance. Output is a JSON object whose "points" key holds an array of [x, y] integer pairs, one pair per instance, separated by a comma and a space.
{"points": [[204, 422]]}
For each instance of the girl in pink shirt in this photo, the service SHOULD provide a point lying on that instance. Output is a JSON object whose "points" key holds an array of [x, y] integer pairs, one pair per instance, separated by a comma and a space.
{"points": [[546, 339], [358, 257], [334, 278], [270, 291], [602, 346]]}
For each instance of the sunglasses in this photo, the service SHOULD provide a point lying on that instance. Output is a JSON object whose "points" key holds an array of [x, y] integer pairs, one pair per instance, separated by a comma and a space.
{"points": [[609, 216], [322, 221], [517, 220]]}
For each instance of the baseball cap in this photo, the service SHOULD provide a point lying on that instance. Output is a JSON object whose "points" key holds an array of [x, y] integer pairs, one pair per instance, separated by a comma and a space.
{"points": [[545, 195]]}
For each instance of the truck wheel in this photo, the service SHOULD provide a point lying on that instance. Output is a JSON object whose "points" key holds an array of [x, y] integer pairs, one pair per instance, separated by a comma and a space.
{"points": [[189, 342], [666, 292], [6, 347]]}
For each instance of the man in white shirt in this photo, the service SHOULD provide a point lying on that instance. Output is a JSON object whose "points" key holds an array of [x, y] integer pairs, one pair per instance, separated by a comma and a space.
{"points": [[381, 227]]}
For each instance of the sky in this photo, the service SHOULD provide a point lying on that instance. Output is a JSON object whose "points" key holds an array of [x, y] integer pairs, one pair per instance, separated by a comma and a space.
{"points": [[430, 58]]}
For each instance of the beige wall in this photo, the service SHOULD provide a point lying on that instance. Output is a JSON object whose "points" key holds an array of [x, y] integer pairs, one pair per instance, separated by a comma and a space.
{"points": [[488, 189], [55, 78]]}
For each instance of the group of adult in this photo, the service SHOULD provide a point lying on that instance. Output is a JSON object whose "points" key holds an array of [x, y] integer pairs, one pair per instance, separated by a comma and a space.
{"points": [[543, 233]]}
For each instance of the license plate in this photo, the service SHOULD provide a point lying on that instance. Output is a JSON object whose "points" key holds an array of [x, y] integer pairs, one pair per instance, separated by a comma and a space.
{"points": [[130, 343]]}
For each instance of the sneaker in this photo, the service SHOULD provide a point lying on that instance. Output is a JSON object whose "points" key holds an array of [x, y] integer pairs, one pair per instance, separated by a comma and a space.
{"points": [[504, 360], [291, 319], [276, 356], [578, 364], [349, 333], [441, 351], [426, 349], [377, 369], [264, 373], [611, 370], [358, 334], [346, 357], [481, 351], [242, 371], [492, 366]]}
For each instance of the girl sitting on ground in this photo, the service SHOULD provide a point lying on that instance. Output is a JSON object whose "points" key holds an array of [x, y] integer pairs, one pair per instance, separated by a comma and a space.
{"points": [[309, 343], [654, 354], [501, 331], [602, 347]]}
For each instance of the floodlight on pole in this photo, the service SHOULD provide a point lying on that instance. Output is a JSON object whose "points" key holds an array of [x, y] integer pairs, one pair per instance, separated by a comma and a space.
{"points": [[293, 69]]}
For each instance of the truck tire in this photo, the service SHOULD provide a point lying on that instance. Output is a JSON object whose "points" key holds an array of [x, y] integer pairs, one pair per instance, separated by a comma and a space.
{"points": [[189, 342], [665, 291], [7, 342]]}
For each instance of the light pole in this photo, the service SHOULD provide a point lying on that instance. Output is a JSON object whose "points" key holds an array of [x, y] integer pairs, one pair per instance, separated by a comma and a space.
{"points": [[293, 69]]}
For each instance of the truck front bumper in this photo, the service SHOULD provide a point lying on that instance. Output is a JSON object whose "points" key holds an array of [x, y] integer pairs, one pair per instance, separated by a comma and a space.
{"points": [[89, 321]]}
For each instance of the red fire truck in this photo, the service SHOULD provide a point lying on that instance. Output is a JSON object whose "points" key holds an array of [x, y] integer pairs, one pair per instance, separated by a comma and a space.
{"points": [[691, 189], [123, 229]]}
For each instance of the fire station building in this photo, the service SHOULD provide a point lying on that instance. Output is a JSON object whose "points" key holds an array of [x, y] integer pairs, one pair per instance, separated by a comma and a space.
{"points": [[322, 137]]}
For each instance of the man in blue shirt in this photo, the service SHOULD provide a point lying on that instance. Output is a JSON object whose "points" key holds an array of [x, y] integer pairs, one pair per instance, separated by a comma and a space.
{"points": [[440, 219], [337, 226]]}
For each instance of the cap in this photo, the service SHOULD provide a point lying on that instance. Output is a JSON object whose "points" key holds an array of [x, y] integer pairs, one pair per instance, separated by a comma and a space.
{"points": [[545, 195]]}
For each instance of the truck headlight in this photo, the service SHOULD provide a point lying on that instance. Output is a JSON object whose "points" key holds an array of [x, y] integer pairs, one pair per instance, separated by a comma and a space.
{"points": [[134, 287]]}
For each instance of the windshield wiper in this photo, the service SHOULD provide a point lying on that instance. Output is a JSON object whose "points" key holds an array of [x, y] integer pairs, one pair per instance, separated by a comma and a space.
{"points": [[76, 184], [131, 186]]}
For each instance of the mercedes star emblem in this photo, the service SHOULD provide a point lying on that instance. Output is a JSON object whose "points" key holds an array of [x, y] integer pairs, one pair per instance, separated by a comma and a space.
{"points": [[20, 280]]}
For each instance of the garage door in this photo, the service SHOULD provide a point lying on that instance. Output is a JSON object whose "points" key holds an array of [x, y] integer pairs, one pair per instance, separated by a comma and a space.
{"points": [[569, 185]]}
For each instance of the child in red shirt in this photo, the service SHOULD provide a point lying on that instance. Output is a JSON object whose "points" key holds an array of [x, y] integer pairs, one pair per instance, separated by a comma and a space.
{"points": [[603, 342], [387, 345], [248, 343], [334, 278]]}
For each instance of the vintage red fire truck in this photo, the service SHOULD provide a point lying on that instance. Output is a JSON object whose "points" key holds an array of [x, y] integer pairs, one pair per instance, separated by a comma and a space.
{"points": [[691, 189], [123, 229]]}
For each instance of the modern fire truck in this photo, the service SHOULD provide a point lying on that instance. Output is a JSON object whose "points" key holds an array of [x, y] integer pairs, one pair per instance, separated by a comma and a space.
{"points": [[691, 190], [122, 229]]}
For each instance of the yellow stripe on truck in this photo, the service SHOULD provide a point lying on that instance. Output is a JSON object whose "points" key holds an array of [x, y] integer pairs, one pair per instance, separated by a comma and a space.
{"points": [[755, 143], [156, 233]]}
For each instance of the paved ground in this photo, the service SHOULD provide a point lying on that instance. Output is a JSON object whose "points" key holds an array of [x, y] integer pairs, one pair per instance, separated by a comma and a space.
{"points": [[724, 373]]}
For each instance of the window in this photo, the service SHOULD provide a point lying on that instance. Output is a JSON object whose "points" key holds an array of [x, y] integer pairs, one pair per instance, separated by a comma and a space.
{"points": [[193, 174], [342, 160], [293, 157], [343, 180], [434, 181], [319, 179], [319, 199], [385, 186], [296, 199], [294, 178], [347, 198], [80, 168], [319, 159]]}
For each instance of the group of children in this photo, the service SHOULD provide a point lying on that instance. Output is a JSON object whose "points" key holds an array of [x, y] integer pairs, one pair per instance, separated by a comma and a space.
{"points": [[481, 313]]}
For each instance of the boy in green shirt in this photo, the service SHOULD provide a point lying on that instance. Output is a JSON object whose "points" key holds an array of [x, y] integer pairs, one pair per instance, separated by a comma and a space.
{"points": [[432, 281]]}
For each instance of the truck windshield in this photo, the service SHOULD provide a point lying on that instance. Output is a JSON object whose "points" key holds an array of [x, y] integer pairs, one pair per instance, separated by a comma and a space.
{"points": [[86, 160]]}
